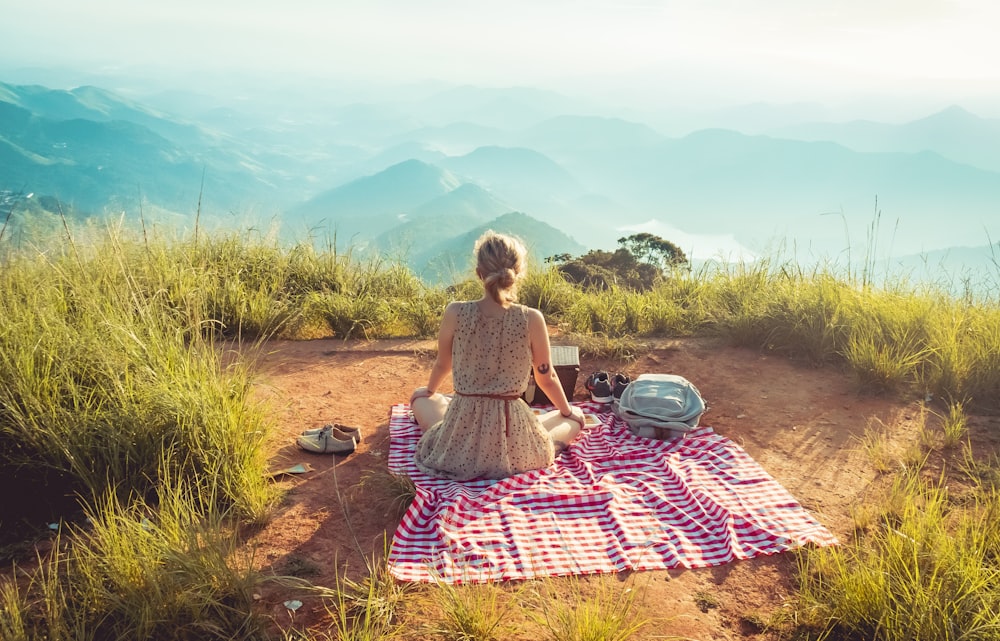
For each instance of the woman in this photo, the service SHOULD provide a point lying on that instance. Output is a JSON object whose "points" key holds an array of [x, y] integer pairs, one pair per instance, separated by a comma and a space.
{"points": [[491, 345]]}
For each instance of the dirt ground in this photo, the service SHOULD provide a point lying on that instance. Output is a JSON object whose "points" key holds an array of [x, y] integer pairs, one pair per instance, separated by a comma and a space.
{"points": [[800, 422]]}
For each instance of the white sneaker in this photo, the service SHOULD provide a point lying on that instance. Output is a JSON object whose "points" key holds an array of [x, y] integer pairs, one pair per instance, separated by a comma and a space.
{"points": [[326, 442], [340, 431]]}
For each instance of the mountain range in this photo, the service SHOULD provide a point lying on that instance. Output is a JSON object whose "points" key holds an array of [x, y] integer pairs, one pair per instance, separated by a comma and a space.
{"points": [[954, 133], [412, 176]]}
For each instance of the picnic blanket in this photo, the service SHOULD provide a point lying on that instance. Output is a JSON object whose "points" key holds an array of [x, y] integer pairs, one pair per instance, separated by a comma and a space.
{"points": [[611, 502]]}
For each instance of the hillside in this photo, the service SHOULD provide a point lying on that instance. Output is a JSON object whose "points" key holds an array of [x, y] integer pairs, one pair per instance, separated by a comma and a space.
{"points": [[368, 206], [463, 208], [954, 133], [451, 258], [761, 189], [423, 213], [520, 173], [566, 133], [98, 153]]}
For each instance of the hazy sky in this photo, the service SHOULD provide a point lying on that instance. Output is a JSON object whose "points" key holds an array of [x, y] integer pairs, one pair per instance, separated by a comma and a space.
{"points": [[724, 50]]}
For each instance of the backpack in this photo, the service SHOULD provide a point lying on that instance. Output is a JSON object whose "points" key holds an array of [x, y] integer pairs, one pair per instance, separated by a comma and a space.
{"points": [[660, 406]]}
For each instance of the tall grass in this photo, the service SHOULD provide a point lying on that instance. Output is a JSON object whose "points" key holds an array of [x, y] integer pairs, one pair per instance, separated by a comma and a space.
{"points": [[117, 409], [926, 571], [139, 571], [474, 613], [99, 378]]}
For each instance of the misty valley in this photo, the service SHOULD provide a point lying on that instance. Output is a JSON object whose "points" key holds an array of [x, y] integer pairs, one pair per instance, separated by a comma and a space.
{"points": [[417, 177]]}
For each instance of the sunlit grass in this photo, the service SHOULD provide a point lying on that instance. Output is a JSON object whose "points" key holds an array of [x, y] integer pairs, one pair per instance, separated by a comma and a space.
{"points": [[386, 490], [875, 444], [139, 571], [925, 571], [368, 609], [585, 609], [474, 613], [954, 425]]}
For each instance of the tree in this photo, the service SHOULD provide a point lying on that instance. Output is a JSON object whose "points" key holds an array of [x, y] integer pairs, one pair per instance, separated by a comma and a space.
{"points": [[637, 264], [600, 269], [651, 249]]}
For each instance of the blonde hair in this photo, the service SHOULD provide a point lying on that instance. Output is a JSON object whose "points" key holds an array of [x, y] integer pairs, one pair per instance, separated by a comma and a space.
{"points": [[500, 262]]}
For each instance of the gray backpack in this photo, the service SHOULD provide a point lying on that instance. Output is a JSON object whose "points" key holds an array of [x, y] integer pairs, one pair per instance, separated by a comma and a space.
{"points": [[660, 406]]}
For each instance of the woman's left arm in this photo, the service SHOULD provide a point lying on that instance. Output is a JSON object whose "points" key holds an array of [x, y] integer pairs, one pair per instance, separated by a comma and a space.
{"points": [[545, 373]]}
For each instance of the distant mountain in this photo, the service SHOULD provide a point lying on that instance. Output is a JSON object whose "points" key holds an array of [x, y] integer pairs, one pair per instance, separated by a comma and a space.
{"points": [[96, 150], [98, 105], [954, 133], [761, 117], [456, 138], [399, 153], [368, 206], [515, 171], [461, 209], [762, 188], [469, 200], [95, 165], [450, 259]]}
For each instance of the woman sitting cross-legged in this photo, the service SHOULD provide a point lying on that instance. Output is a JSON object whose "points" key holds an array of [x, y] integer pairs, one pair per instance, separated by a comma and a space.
{"points": [[490, 346]]}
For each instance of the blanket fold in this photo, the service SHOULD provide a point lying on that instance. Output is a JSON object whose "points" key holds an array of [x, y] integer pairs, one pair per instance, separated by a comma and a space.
{"points": [[612, 502]]}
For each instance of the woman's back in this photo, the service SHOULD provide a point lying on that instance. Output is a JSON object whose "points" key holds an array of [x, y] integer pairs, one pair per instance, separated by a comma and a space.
{"points": [[488, 431], [491, 354]]}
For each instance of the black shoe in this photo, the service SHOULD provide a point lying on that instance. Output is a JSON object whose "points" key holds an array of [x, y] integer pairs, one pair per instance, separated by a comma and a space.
{"points": [[599, 386], [618, 385]]}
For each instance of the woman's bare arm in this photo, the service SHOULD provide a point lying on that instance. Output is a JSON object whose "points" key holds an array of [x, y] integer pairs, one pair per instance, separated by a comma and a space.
{"points": [[545, 372], [443, 362]]}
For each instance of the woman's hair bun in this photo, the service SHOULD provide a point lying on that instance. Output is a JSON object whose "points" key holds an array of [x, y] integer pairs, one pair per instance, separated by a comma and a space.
{"points": [[500, 262]]}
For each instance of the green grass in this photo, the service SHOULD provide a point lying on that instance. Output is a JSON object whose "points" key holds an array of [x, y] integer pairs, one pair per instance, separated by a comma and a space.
{"points": [[473, 613], [139, 571], [587, 610], [926, 571], [922, 563], [954, 425]]}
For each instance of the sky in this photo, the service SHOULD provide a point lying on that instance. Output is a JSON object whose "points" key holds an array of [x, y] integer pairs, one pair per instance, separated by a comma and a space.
{"points": [[707, 51]]}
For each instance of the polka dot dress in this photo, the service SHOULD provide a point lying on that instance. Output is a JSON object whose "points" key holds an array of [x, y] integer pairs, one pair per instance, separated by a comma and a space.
{"points": [[480, 436]]}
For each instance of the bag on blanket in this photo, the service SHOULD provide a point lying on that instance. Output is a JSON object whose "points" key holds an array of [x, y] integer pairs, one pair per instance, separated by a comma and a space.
{"points": [[660, 406]]}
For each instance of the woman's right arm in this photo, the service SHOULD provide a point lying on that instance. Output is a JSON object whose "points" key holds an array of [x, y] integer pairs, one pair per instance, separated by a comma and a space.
{"points": [[442, 364]]}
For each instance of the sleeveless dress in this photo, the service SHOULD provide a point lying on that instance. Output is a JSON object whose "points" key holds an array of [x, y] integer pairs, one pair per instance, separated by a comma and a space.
{"points": [[488, 431]]}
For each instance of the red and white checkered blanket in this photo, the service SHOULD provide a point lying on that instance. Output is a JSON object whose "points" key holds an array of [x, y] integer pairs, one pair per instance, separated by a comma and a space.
{"points": [[611, 502]]}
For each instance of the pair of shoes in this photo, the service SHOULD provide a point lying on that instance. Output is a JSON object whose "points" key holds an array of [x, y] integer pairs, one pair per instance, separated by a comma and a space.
{"points": [[328, 440], [340, 431], [599, 386], [618, 385], [605, 388]]}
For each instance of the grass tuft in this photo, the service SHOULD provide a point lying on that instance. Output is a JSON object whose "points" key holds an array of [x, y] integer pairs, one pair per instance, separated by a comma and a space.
{"points": [[387, 490], [587, 609], [927, 571], [473, 613]]}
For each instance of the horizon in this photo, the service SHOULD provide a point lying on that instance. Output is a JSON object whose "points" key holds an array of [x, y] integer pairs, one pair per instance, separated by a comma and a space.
{"points": [[894, 62]]}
